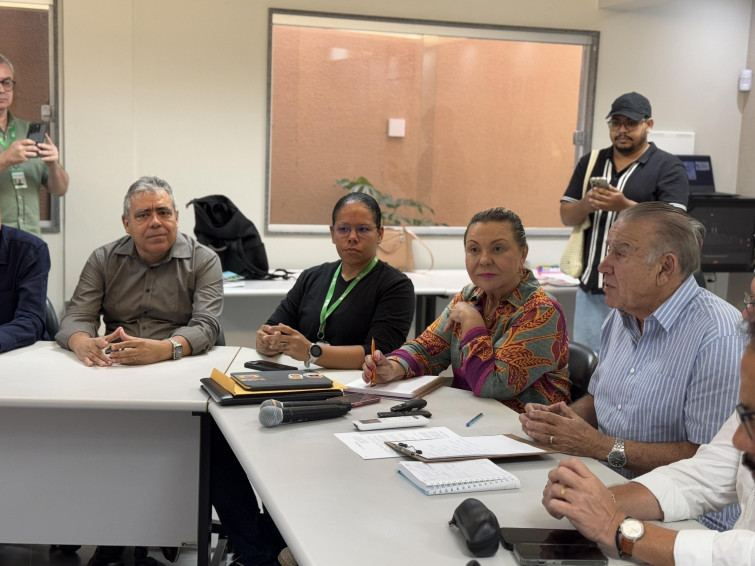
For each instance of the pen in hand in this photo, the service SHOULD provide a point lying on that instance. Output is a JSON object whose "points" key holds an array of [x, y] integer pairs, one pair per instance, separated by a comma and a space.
{"points": [[374, 372], [474, 419]]}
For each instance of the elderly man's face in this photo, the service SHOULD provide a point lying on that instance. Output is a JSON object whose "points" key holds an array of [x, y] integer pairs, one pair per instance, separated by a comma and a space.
{"points": [[152, 224], [630, 283]]}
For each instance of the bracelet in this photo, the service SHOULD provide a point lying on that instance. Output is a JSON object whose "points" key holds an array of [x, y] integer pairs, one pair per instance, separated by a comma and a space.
{"points": [[613, 497]]}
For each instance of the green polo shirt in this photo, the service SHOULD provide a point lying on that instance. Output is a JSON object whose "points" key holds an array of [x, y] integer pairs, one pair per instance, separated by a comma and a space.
{"points": [[20, 207]]}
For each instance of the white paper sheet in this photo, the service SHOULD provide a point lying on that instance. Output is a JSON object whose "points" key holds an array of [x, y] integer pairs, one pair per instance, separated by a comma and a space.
{"points": [[371, 445]]}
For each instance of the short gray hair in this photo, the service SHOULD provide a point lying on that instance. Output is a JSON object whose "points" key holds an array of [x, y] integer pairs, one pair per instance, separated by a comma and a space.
{"points": [[5, 61], [152, 185], [673, 232]]}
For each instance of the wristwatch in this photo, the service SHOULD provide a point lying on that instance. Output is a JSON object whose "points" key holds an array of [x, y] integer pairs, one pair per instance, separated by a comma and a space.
{"points": [[629, 532], [178, 349], [617, 457], [315, 351]]}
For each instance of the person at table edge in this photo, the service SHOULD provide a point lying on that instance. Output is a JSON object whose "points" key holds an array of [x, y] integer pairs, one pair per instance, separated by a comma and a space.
{"points": [[24, 266], [503, 336], [160, 293], [720, 473], [334, 310], [347, 302]]}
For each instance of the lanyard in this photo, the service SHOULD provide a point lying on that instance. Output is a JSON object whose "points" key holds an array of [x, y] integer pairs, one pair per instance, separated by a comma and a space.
{"points": [[11, 134], [327, 311]]}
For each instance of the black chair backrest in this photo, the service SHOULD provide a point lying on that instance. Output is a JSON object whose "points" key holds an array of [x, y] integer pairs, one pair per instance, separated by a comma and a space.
{"points": [[582, 363], [51, 319]]}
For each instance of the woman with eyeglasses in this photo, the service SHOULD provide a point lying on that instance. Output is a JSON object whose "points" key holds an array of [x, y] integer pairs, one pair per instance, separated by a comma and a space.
{"points": [[503, 336], [334, 310]]}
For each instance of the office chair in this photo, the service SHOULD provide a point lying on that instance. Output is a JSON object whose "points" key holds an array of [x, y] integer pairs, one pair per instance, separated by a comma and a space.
{"points": [[51, 319], [582, 363]]}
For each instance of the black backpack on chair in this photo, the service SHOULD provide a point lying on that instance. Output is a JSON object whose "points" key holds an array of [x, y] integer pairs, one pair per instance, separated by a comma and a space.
{"points": [[222, 227]]}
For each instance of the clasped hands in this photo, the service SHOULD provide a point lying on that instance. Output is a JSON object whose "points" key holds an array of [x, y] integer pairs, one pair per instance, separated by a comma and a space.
{"points": [[123, 349], [559, 426], [282, 339]]}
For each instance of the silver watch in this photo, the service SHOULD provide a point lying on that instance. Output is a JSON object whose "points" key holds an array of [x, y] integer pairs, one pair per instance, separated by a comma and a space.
{"points": [[315, 351], [617, 457], [178, 349]]}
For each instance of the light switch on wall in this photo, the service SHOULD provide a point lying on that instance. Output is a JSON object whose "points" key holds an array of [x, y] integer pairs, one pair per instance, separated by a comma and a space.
{"points": [[396, 127]]}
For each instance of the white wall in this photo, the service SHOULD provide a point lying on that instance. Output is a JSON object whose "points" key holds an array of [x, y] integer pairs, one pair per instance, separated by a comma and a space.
{"points": [[177, 88]]}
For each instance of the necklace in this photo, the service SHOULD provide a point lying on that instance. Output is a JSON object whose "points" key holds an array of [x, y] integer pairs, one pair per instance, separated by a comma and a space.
{"points": [[490, 317]]}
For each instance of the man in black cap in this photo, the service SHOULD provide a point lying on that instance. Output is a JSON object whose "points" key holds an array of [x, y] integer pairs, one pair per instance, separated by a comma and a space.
{"points": [[635, 171]]}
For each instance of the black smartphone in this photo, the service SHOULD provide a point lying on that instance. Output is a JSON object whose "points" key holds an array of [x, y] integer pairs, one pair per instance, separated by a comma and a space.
{"points": [[37, 132], [514, 535], [357, 399], [559, 555], [264, 365]]}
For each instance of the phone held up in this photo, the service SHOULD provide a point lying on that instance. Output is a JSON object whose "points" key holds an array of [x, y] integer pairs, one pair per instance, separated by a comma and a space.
{"points": [[601, 182], [37, 132]]}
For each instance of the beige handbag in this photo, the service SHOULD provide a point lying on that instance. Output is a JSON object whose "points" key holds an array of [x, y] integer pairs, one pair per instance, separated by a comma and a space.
{"points": [[396, 248], [571, 260]]}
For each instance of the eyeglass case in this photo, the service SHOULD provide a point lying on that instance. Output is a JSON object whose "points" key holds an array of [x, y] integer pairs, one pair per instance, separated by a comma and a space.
{"points": [[478, 525]]}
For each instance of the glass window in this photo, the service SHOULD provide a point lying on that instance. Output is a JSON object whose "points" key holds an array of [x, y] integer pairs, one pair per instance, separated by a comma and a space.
{"points": [[457, 116]]}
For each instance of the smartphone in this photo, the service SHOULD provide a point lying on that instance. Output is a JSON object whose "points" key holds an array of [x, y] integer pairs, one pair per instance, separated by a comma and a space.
{"points": [[559, 555], [264, 365], [37, 132], [599, 182], [357, 399], [514, 535]]}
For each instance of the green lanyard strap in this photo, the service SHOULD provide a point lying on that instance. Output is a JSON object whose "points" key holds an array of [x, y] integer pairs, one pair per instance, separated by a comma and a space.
{"points": [[328, 310], [11, 135]]}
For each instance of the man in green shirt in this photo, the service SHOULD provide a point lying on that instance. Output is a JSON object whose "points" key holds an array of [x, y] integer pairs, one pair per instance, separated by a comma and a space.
{"points": [[25, 166]]}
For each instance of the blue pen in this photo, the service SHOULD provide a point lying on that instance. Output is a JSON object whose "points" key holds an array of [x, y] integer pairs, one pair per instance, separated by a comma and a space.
{"points": [[474, 420]]}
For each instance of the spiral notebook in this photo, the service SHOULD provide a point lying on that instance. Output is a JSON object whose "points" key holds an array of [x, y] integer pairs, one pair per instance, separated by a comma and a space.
{"points": [[456, 477]]}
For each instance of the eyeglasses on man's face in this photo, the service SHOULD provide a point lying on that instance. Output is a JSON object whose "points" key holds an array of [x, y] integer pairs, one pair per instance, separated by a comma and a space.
{"points": [[8, 84], [343, 230], [627, 124], [745, 417]]}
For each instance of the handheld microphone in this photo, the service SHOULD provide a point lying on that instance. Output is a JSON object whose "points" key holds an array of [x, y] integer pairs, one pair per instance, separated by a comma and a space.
{"points": [[271, 415], [328, 402]]}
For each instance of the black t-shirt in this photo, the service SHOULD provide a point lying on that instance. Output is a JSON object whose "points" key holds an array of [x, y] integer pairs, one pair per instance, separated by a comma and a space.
{"points": [[655, 176], [380, 306]]}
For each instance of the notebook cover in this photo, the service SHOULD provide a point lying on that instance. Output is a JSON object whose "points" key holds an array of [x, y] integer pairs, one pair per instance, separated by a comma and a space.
{"points": [[227, 383], [282, 380]]}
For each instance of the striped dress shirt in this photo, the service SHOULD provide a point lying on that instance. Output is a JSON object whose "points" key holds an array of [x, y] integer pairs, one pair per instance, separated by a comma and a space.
{"points": [[676, 380]]}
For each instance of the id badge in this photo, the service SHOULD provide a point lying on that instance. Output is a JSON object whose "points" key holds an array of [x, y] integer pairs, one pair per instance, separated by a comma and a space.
{"points": [[19, 180]]}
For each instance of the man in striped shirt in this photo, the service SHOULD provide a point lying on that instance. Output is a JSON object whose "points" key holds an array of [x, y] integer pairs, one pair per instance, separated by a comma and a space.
{"points": [[636, 171], [668, 375]]}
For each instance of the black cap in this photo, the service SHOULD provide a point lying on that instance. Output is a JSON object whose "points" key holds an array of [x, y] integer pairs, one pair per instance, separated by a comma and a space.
{"points": [[632, 105]]}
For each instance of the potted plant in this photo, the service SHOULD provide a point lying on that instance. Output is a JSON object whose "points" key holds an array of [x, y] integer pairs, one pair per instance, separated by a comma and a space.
{"points": [[390, 206]]}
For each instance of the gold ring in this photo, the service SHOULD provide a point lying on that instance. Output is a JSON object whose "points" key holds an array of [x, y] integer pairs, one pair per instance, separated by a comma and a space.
{"points": [[551, 439], [563, 492]]}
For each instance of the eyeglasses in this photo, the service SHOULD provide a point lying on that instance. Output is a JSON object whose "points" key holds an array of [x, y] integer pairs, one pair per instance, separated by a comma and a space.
{"points": [[629, 125], [343, 230], [745, 417], [8, 84], [749, 304]]}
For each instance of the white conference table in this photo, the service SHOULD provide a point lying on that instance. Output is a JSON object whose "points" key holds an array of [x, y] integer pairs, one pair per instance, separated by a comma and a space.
{"points": [[102, 455], [428, 287], [333, 508]]}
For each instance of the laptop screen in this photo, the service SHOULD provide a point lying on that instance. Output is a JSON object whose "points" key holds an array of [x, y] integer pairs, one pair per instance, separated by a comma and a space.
{"points": [[699, 172]]}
